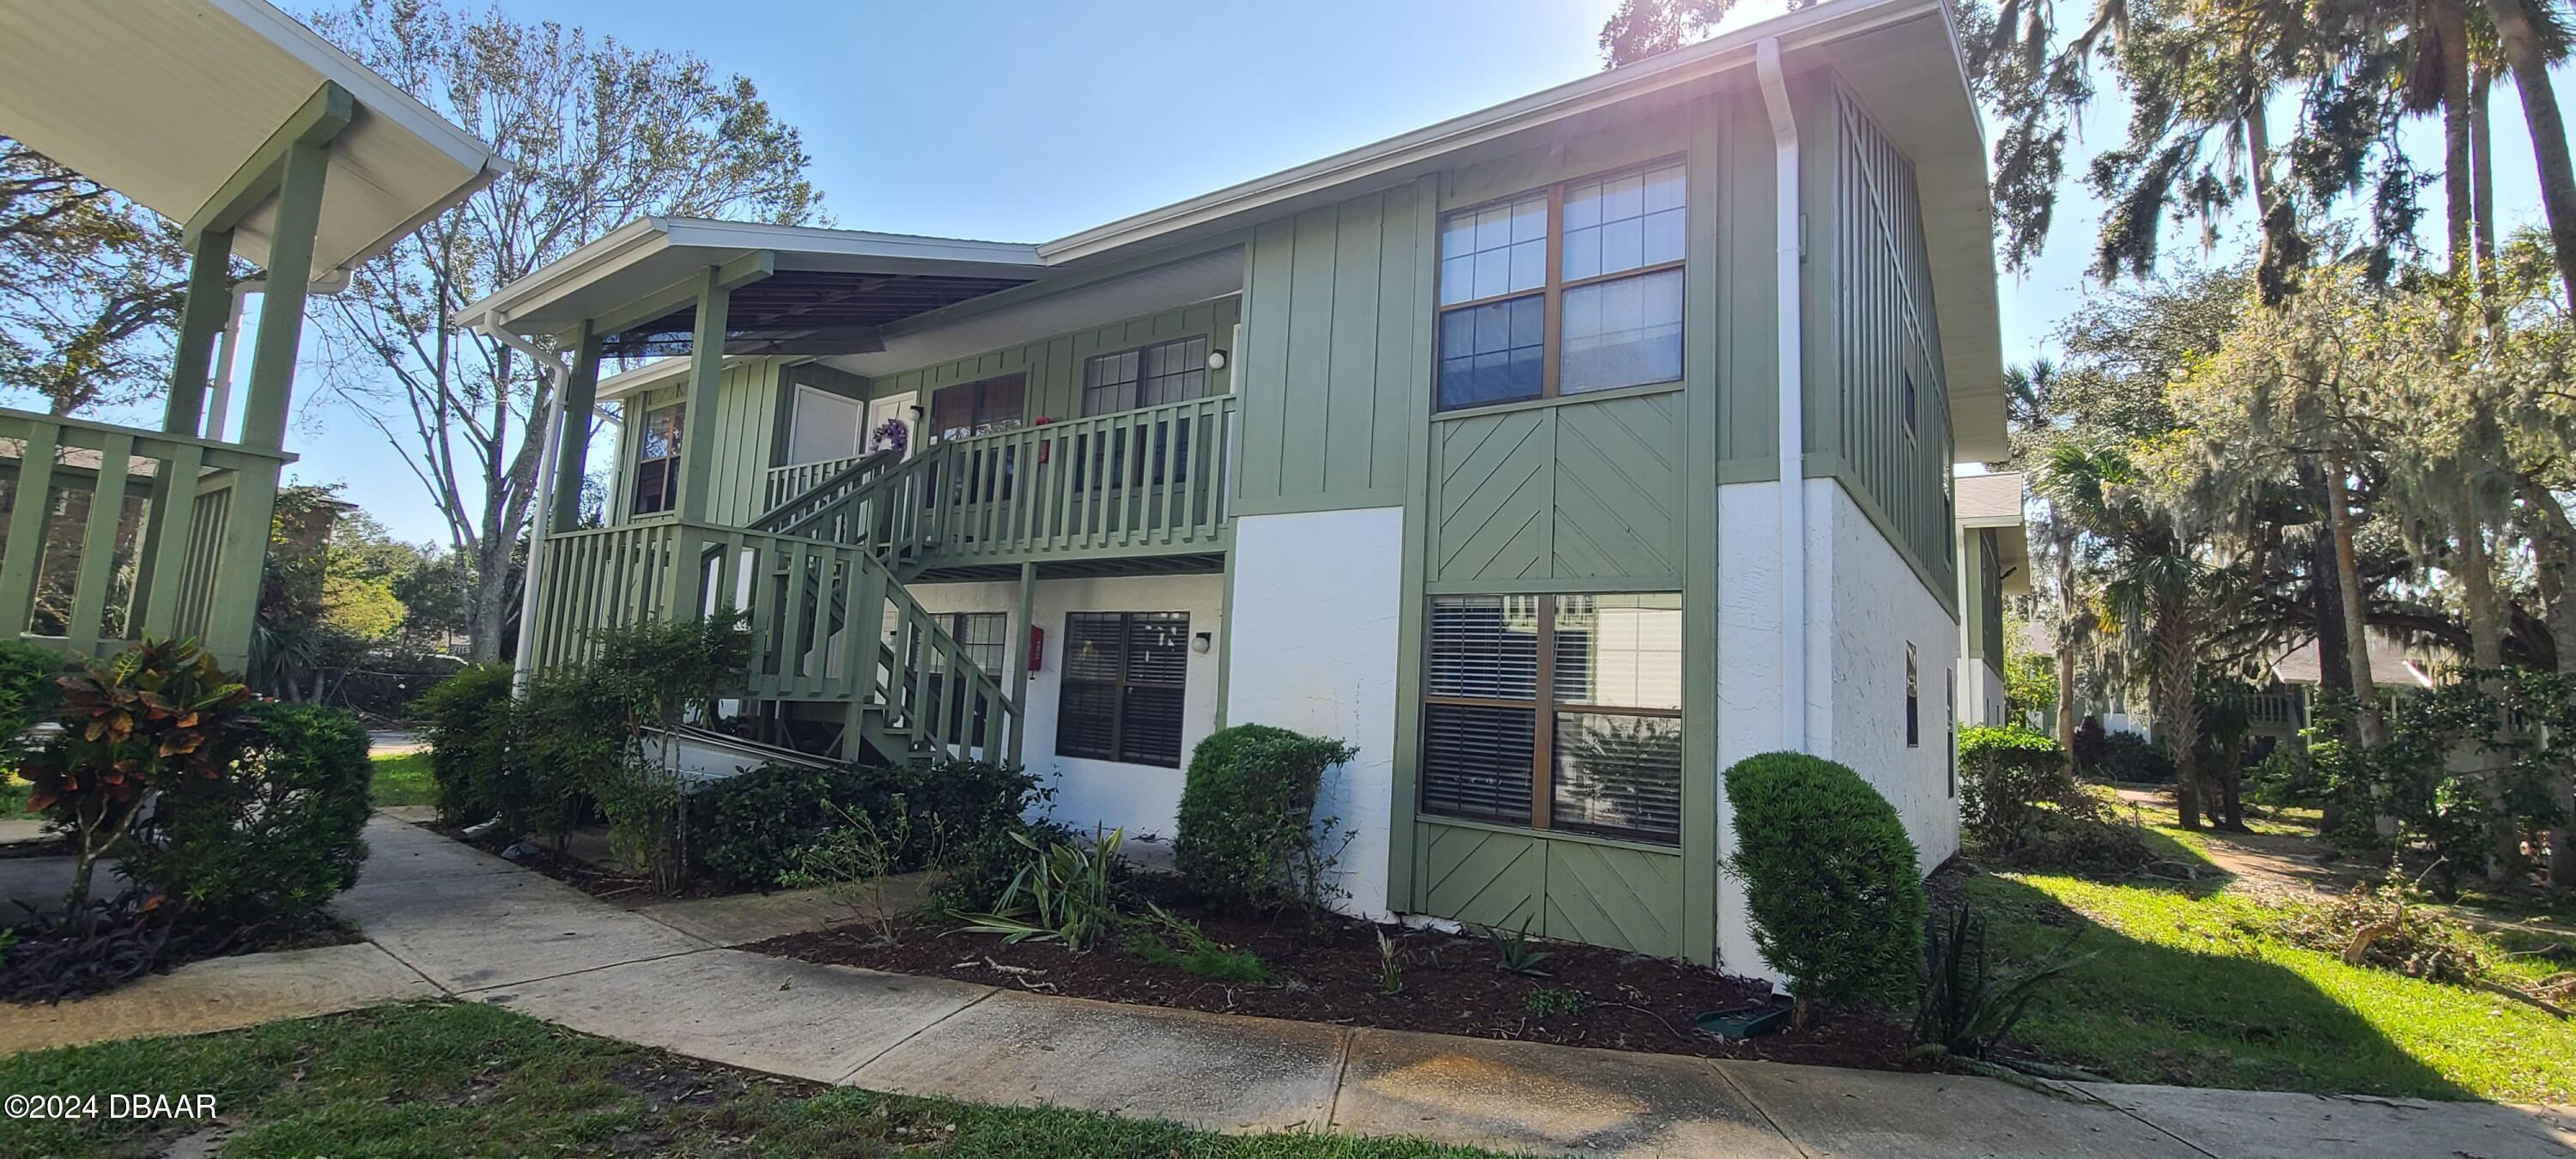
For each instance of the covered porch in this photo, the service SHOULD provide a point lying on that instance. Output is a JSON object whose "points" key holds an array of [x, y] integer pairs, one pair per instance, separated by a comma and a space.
{"points": [[270, 146]]}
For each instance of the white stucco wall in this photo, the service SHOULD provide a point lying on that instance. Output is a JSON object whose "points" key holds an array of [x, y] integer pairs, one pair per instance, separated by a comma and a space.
{"points": [[1877, 606], [1317, 614], [1981, 692], [1142, 799], [1864, 604]]}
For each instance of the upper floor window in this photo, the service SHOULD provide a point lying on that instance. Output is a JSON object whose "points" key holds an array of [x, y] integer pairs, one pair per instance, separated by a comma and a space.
{"points": [[969, 409], [1909, 404], [1151, 376], [657, 459], [1571, 289]]}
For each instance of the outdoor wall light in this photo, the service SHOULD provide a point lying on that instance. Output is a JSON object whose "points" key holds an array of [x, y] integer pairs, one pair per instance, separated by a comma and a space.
{"points": [[1199, 641], [1216, 360]]}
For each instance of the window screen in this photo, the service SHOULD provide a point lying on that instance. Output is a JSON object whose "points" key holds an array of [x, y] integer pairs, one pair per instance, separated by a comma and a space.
{"points": [[1124, 686]]}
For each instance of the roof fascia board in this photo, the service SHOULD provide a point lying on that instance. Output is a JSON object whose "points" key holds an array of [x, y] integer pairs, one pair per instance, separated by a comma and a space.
{"points": [[1824, 22], [380, 96], [321, 118], [848, 243], [610, 252]]}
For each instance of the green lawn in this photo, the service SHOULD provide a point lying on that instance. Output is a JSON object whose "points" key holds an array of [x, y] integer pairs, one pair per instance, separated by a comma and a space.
{"points": [[469, 1079], [403, 780], [2182, 991]]}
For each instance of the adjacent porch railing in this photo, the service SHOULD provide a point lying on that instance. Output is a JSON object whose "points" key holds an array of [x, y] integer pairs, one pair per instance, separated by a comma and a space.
{"points": [[909, 686], [112, 532], [1142, 482]]}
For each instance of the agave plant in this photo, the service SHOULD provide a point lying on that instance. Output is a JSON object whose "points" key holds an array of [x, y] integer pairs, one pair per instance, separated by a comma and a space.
{"points": [[153, 716], [1963, 1005]]}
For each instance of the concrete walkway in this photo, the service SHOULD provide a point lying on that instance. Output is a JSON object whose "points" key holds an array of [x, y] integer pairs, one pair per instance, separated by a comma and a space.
{"points": [[460, 923]]}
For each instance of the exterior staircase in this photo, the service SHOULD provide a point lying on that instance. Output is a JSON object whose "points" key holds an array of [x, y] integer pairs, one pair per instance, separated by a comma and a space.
{"points": [[844, 659]]}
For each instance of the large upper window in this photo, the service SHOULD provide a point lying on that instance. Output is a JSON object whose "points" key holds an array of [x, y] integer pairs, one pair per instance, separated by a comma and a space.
{"points": [[1556, 712], [1124, 674], [657, 460], [1151, 376], [1572, 289]]}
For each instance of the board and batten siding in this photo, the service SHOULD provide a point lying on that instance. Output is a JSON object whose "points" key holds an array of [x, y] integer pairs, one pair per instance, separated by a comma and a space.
{"points": [[1613, 492], [1336, 324], [746, 419], [1871, 326], [1053, 366]]}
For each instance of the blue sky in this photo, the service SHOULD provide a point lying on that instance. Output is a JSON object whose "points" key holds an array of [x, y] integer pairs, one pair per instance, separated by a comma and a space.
{"points": [[1025, 122]]}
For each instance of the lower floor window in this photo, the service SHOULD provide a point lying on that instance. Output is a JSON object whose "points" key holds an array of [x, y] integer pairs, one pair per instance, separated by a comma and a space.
{"points": [[1556, 712], [1123, 687]]}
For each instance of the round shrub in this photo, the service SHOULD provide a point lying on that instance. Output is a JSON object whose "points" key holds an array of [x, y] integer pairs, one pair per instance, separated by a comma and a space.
{"points": [[755, 827], [1830, 887], [276, 839], [1246, 838], [468, 730], [2131, 757], [752, 827], [2007, 774]]}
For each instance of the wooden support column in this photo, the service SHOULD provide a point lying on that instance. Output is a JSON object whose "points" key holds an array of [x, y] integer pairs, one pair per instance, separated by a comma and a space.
{"points": [[697, 445], [572, 450], [201, 321], [272, 386], [1019, 650]]}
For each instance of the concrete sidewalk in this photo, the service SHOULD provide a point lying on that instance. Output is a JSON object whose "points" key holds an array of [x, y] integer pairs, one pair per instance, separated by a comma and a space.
{"points": [[464, 924]]}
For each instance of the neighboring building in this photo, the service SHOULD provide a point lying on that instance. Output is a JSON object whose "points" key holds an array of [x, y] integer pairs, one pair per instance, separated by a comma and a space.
{"points": [[1465, 447], [2289, 703], [269, 145], [1994, 562]]}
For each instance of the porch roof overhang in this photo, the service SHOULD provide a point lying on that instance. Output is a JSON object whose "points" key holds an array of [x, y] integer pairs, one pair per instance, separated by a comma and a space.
{"points": [[1994, 502], [174, 103], [1902, 57]]}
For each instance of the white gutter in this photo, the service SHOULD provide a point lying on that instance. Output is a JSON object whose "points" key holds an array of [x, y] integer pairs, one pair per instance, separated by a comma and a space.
{"points": [[222, 404], [1792, 404]]}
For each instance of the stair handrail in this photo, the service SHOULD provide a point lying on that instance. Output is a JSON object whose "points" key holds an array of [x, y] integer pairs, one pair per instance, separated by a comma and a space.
{"points": [[824, 494]]}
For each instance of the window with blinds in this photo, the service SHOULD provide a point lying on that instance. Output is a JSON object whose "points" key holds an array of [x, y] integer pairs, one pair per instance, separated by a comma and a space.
{"points": [[1123, 686], [1556, 712], [657, 459]]}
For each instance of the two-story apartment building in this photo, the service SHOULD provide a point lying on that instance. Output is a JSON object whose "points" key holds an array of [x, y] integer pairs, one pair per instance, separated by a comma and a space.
{"points": [[1468, 447]]}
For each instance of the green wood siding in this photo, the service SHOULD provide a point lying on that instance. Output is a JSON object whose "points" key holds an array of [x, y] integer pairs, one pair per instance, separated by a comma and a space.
{"points": [[1608, 492], [746, 421], [1588, 490], [1983, 611], [1871, 327], [1572, 888], [1332, 365], [1054, 365]]}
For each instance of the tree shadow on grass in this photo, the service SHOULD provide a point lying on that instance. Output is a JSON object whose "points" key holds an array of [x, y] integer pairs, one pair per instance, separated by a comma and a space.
{"points": [[2194, 1002]]}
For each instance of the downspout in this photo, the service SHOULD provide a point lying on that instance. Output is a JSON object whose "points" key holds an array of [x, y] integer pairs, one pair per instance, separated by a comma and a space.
{"points": [[1792, 400], [221, 404], [550, 429]]}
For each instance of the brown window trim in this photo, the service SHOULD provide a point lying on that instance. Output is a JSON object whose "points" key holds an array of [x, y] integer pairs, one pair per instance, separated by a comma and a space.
{"points": [[1082, 386], [666, 494], [1118, 700], [1543, 744], [1551, 289]]}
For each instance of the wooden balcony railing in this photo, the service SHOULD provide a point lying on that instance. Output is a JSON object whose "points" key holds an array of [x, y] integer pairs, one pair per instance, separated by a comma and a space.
{"points": [[915, 691], [1142, 482], [162, 555]]}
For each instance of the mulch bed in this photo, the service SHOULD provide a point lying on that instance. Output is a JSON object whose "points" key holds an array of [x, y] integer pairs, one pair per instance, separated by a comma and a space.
{"points": [[1452, 985], [602, 882]]}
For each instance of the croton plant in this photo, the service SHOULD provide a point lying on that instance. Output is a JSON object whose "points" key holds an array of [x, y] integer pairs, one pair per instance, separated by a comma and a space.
{"points": [[147, 718]]}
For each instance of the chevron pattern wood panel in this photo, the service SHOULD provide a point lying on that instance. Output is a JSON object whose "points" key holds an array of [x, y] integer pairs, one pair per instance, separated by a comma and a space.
{"points": [[1480, 876], [1492, 482], [1604, 896], [1617, 492]]}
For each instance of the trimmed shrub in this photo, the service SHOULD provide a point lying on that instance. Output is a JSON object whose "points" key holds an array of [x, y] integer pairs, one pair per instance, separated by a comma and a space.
{"points": [[1830, 886], [1246, 838], [2131, 757], [2007, 775], [754, 828], [570, 736], [468, 730], [278, 838], [29, 690]]}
